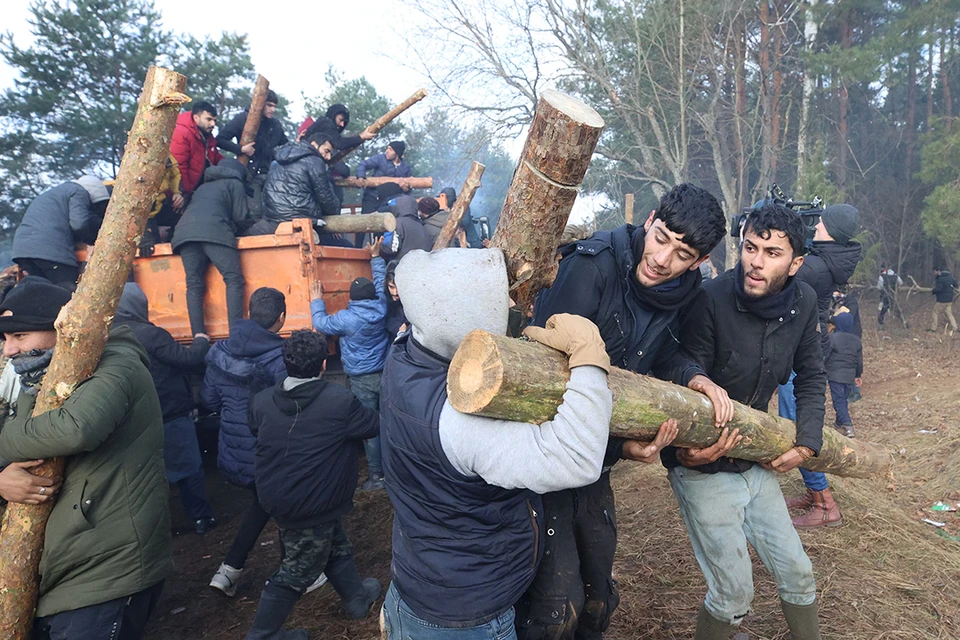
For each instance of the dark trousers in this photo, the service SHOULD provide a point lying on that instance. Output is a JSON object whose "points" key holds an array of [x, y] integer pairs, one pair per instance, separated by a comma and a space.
{"points": [[254, 520], [839, 394], [193, 495], [62, 275], [121, 619], [573, 594], [367, 390], [196, 257]]}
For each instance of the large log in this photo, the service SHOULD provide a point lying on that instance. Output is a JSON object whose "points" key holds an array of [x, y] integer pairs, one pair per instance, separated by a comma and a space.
{"points": [[467, 191], [384, 120], [252, 125], [559, 145], [361, 183], [511, 379], [83, 325], [359, 223]]}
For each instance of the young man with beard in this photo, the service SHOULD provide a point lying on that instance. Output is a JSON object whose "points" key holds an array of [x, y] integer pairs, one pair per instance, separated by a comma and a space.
{"points": [[749, 328], [193, 145], [632, 282]]}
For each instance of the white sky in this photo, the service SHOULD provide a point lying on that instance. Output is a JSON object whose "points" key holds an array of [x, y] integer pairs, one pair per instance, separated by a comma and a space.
{"points": [[286, 46]]}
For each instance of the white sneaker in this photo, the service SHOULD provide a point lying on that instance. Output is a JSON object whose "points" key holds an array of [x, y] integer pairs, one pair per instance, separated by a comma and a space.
{"points": [[226, 579], [319, 582]]}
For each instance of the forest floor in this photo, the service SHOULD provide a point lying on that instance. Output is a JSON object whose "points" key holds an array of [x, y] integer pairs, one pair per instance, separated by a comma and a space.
{"points": [[884, 574]]}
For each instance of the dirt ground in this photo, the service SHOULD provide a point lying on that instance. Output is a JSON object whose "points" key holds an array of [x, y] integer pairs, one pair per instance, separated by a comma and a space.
{"points": [[883, 575]]}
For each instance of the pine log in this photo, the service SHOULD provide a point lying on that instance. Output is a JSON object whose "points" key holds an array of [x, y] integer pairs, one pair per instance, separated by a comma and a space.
{"points": [[361, 183], [252, 125], [501, 377], [467, 191], [83, 325], [559, 145], [628, 208], [359, 223], [384, 120]]}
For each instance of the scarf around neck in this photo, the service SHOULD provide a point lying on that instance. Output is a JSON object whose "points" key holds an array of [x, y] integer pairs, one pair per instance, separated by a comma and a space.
{"points": [[31, 367], [768, 307]]}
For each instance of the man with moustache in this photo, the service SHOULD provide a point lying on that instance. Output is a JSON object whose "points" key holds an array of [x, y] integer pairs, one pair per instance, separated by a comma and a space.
{"points": [[748, 329]]}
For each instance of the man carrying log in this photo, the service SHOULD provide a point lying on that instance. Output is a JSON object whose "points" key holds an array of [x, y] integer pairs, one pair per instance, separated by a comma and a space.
{"points": [[468, 524], [389, 164], [749, 328], [632, 282]]}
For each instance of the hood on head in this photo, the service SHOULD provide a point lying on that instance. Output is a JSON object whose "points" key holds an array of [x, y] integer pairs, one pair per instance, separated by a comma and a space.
{"points": [[405, 207], [449, 293], [133, 304], [94, 187], [290, 153], [334, 109], [843, 322], [228, 168]]}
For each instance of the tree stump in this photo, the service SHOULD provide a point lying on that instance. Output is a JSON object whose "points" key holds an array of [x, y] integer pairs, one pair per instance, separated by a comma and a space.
{"points": [[252, 125], [510, 379], [555, 157], [467, 191]]}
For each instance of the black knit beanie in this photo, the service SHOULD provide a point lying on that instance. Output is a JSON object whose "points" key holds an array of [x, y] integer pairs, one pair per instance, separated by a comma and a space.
{"points": [[33, 305], [362, 289]]}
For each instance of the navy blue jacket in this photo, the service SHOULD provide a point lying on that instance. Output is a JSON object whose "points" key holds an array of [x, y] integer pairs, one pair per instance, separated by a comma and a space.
{"points": [[464, 551], [249, 361], [361, 327], [55, 221], [309, 439], [379, 167], [944, 287]]}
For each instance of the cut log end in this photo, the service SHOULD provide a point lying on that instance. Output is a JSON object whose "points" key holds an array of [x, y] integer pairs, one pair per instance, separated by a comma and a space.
{"points": [[476, 373], [577, 110]]}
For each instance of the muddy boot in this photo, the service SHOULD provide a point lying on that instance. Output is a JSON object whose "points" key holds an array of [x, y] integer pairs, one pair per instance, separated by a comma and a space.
{"points": [[709, 628], [357, 595], [275, 606], [823, 513], [802, 620], [801, 503]]}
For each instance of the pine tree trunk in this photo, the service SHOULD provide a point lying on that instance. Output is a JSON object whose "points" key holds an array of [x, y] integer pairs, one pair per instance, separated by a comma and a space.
{"points": [[555, 157], [384, 120], [467, 191], [359, 223], [254, 116], [361, 183], [83, 325], [509, 379]]}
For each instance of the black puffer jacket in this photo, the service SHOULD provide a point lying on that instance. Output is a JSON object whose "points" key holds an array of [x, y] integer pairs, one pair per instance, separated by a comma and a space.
{"points": [[827, 266], [944, 286], [270, 135], [218, 211], [410, 233], [170, 362], [298, 185], [309, 438], [843, 359]]}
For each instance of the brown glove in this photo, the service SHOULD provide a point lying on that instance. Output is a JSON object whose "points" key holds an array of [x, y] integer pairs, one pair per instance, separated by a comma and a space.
{"points": [[574, 335]]}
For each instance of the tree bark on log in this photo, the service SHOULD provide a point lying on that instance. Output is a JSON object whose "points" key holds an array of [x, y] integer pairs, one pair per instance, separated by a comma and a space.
{"points": [[501, 377], [360, 183], [384, 120], [555, 157], [467, 191], [359, 223], [628, 208], [83, 325], [252, 125]]}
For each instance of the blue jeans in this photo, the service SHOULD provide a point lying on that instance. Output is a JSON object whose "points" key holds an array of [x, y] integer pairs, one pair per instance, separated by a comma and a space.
{"points": [[401, 623], [367, 390], [839, 392], [725, 511], [814, 480], [120, 619]]}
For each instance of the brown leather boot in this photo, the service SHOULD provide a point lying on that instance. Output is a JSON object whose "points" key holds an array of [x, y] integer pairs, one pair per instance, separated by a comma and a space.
{"points": [[801, 503], [823, 513]]}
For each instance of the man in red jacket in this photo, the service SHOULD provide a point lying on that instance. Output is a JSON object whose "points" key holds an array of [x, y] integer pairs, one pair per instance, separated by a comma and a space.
{"points": [[194, 146]]}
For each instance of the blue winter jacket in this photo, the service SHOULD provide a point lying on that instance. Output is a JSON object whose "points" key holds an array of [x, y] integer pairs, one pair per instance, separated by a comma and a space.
{"points": [[249, 361], [379, 167], [361, 327]]}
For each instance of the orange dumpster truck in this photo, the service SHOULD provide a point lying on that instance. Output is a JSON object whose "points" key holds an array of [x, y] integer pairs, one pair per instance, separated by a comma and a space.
{"points": [[290, 260]]}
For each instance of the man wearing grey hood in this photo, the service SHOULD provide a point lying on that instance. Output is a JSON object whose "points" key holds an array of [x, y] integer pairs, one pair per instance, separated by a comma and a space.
{"points": [[54, 222], [468, 525]]}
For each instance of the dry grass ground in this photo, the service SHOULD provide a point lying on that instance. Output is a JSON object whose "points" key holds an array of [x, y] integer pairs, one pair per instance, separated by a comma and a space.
{"points": [[882, 575]]}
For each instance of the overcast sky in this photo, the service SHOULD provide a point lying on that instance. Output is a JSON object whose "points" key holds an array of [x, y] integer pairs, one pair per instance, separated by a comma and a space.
{"points": [[288, 47]]}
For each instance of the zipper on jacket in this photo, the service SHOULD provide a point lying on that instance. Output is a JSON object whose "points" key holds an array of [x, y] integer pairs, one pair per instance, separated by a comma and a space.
{"points": [[536, 533]]}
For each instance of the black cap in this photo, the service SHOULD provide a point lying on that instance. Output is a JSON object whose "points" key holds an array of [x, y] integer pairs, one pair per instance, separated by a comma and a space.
{"points": [[399, 146], [33, 305], [841, 221], [363, 289]]}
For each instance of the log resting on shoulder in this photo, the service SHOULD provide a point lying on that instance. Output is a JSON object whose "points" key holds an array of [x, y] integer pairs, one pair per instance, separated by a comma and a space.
{"points": [[510, 379]]}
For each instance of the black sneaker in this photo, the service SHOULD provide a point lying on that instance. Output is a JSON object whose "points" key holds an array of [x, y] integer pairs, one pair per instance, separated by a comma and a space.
{"points": [[203, 525]]}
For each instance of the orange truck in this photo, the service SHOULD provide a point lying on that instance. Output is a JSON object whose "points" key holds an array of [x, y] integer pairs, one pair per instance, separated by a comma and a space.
{"points": [[289, 260]]}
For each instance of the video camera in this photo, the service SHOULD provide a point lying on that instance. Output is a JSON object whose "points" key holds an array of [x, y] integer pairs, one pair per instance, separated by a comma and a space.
{"points": [[809, 211]]}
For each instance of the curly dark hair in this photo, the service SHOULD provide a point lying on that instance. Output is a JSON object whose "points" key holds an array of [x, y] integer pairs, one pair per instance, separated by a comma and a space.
{"points": [[776, 217], [695, 214], [304, 353]]}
